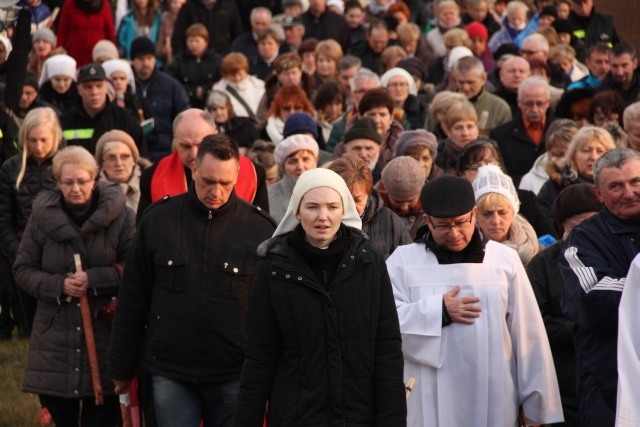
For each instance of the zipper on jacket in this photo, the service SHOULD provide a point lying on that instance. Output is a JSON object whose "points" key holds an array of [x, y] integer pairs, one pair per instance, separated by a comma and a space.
{"points": [[210, 215]]}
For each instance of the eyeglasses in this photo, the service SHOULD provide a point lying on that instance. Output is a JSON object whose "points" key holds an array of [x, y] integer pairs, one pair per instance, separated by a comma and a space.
{"points": [[80, 183], [292, 108], [531, 104], [360, 91], [529, 52], [113, 158], [398, 85], [457, 225]]}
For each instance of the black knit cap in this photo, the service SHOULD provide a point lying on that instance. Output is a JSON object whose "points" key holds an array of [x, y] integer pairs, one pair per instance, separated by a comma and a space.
{"points": [[562, 26], [447, 197], [506, 49], [142, 46], [365, 128], [575, 200], [549, 11]]}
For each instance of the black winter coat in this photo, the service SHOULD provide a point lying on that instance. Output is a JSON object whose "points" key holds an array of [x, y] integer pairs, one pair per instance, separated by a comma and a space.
{"points": [[385, 229], [322, 357], [15, 203], [63, 102], [57, 364], [81, 129], [328, 26], [194, 73], [516, 147], [546, 281], [222, 21], [185, 290]]}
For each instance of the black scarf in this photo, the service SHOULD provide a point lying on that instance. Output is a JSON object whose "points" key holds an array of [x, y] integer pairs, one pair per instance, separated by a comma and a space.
{"points": [[323, 262], [473, 253]]}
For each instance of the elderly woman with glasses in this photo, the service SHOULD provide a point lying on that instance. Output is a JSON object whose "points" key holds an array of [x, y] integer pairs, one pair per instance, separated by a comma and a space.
{"points": [[90, 219], [401, 87], [120, 163]]}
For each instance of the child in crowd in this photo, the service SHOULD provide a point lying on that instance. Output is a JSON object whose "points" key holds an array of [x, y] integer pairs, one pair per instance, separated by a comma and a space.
{"points": [[198, 67]]}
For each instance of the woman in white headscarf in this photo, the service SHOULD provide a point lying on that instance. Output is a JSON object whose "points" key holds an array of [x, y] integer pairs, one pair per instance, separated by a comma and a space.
{"points": [[402, 90], [322, 334]]}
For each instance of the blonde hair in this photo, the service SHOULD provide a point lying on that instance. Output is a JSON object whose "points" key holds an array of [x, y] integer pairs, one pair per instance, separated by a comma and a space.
{"points": [[457, 36], [331, 49], [390, 57], [445, 100], [407, 32], [584, 136], [459, 112], [76, 156], [488, 201], [560, 52], [35, 118]]}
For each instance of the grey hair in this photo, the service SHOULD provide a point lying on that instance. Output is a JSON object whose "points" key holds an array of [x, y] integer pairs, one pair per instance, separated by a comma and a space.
{"points": [[470, 63], [364, 74], [540, 39], [534, 81], [204, 115], [257, 10], [516, 6], [349, 61], [615, 158]]}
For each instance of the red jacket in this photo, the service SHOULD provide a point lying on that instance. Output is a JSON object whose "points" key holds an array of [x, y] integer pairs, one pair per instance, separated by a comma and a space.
{"points": [[79, 31]]}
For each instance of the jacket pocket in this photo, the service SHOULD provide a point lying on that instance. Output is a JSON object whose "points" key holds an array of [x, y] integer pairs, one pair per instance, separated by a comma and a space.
{"points": [[168, 268], [237, 276]]}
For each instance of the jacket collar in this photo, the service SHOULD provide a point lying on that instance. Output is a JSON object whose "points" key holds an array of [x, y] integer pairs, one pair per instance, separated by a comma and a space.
{"points": [[211, 213]]}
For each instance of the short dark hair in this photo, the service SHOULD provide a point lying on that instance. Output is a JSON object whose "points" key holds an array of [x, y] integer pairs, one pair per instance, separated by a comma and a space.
{"points": [[377, 24], [329, 92], [599, 48], [609, 102], [377, 97], [219, 146], [475, 151], [622, 48], [352, 4]]}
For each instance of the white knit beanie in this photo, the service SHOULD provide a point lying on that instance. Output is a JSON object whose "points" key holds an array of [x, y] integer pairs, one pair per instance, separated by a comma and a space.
{"points": [[315, 178], [399, 72], [491, 179], [58, 65], [291, 144], [456, 54], [113, 65]]}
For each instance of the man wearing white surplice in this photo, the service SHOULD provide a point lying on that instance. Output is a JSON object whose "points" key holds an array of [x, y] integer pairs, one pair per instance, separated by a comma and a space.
{"points": [[472, 335]]}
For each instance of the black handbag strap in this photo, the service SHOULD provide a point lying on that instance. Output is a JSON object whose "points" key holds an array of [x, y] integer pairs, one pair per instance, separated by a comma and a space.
{"points": [[241, 100]]}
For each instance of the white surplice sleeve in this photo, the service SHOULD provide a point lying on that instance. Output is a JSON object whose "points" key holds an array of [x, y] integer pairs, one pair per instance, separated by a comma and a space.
{"points": [[628, 407], [537, 383], [420, 315]]}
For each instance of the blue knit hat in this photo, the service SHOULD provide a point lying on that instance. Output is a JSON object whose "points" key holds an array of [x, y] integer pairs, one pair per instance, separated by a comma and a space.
{"points": [[300, 123]]}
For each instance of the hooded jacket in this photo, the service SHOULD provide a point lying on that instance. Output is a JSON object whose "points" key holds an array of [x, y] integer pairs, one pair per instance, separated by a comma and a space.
{"points": [[57, 364]]}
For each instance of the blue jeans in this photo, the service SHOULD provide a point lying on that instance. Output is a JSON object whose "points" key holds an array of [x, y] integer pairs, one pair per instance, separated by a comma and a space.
{"points": [[181, 404]]}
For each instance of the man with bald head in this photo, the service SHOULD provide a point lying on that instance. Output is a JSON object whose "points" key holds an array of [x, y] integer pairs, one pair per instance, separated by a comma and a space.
{"points": [[535, 47], [514, 70], [171, 176], [522, 140]]}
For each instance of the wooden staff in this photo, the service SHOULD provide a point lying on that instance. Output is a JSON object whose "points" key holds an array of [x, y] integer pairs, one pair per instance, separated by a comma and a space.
{"points": [[409, 386], [90, 339]]}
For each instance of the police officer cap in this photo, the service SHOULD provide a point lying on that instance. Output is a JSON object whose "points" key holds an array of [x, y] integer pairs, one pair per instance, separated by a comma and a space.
{"points": [[448, 196], [91, 72]]}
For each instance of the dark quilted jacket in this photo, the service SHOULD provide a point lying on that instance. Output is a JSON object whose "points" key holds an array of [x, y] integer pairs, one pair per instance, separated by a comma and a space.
{"points": [[15, 203], [321, 358], [385, 229], [57, 364]]}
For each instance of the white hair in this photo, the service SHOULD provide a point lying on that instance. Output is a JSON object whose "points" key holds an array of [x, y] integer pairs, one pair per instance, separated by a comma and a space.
{"points": [[534, 81], [516, 6], [539, 39]]}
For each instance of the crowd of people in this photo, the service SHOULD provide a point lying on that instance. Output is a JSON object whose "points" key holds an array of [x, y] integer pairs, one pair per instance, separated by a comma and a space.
{"points": [[321, 212]]}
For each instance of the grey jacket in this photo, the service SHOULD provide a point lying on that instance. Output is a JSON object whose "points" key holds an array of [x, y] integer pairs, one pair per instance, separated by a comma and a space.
{"points": [[279, 196], [385, 229], [57, 364]]}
